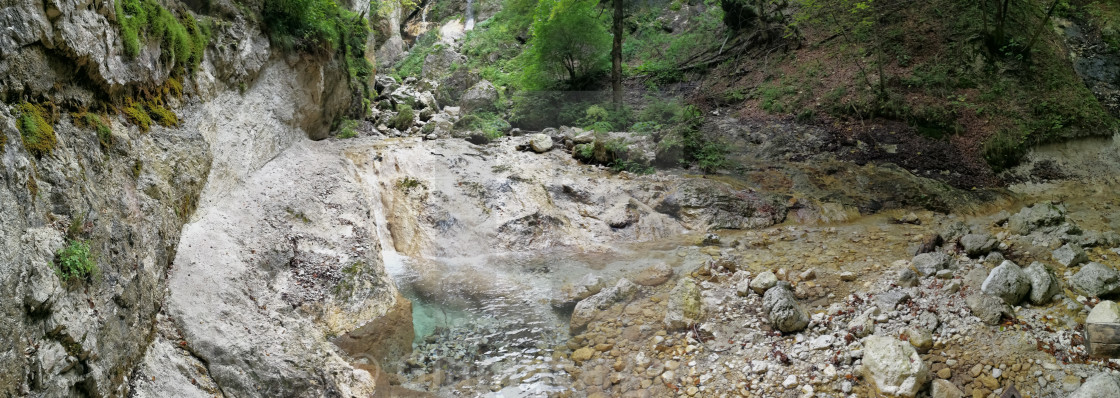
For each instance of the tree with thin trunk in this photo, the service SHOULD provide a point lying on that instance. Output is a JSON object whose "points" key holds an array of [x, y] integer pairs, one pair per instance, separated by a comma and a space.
{"points": [[616, 55]]}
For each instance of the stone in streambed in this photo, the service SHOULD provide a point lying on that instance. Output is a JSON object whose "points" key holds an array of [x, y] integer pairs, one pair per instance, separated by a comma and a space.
{"points": [[1044, 286], [783, 310], [684, 307], [587, 309], [1007, 281], [1102, 385], [763, 281], [1070, 255], [540, 143], [929, 263], [1096, 279], [978, 244], [894, 366], [989, 309], [654, 276]]}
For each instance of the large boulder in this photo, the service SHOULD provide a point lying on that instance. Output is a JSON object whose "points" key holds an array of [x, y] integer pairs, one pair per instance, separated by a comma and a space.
{"points": [[1096, 279], [684, 305], [929, 263], [589, 308], [894, 366], [1035, 217], [1101, 385], [540, 143], [1044, 286], [1008, 282], [452, 86], [480, 97], [783, 310]]}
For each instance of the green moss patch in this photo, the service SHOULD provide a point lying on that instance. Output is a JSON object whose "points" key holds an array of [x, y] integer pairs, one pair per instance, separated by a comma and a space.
{"points": [[36, 128], [137, 115]]}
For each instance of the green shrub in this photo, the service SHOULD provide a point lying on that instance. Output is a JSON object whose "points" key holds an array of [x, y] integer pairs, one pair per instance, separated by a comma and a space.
{"points": [[404, 119], [1004, 150], [36, 129], [348, 129], [75, 261], [490, 124]]}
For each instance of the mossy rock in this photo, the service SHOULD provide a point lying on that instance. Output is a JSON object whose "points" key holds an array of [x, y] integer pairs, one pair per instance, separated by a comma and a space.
{"points": [[97, 123], [36, 129], [404, 119]]}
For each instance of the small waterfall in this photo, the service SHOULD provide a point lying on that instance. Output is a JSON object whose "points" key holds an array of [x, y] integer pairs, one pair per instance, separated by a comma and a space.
{"points": [[470, 16]]}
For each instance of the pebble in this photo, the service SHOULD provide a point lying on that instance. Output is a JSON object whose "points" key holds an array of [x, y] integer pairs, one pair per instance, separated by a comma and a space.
{"points": [[790, 381], [944, 373]]}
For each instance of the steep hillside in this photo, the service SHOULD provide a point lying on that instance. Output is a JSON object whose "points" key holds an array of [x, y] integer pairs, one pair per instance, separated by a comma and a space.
{"points": [[941, 88]]}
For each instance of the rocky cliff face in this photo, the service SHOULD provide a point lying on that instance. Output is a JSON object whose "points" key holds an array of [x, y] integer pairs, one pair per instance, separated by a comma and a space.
{"points": [[129, 193]]}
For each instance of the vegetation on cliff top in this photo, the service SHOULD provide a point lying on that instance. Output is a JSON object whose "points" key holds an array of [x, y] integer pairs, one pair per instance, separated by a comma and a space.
{"points": [[322, 26], [182, 39]]}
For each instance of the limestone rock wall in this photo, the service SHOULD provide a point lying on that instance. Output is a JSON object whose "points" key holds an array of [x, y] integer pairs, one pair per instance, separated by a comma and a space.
{"points": [[130, 196]]}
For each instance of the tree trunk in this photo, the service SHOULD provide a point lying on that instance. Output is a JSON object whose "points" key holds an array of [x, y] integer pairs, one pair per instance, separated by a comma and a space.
{"points": [[1038, 32], [616, 56]]}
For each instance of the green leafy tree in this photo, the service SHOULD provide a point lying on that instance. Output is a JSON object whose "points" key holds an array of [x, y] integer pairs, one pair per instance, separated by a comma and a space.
{"points": [[569, 45]]}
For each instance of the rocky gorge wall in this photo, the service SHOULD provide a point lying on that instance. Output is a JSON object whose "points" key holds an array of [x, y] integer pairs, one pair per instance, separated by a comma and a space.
{"points": [[129, 193]]}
